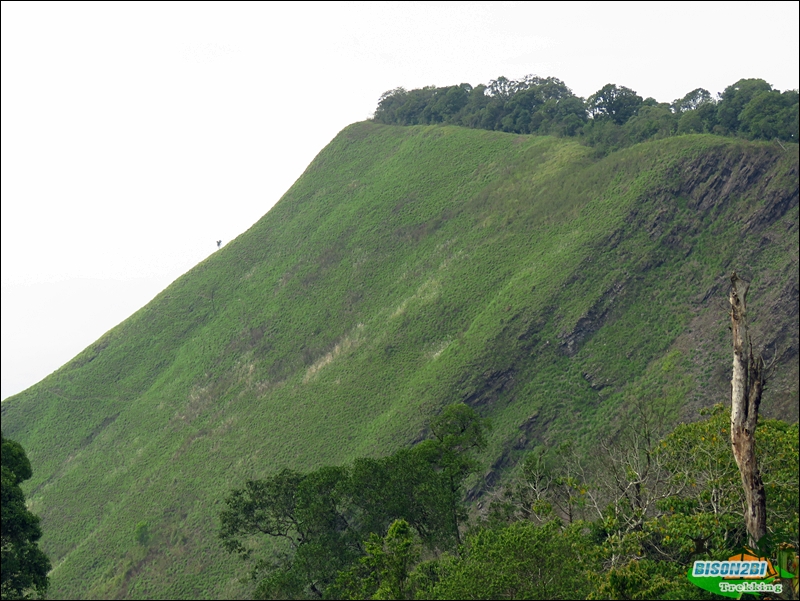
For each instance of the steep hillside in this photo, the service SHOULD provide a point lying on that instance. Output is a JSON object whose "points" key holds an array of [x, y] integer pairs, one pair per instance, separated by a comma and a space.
{"points": [[409, 268]]}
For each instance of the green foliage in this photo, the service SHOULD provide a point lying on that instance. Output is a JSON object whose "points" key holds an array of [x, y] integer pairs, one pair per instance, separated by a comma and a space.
{"points": [[651, 123], [529, 554], [614, 117], [770, 114], [458, 429], [323, 516], [710, 503], [691, 122], [391, 561], [735, 98], [692, 101], [520, 561], [614, 103], [405, 486], [648, 579], [384, 572], [306, 512], [670, 501], [24, 565], [533, 104]]}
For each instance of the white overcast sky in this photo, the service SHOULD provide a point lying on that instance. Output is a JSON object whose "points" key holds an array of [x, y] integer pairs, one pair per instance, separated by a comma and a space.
{"points": [[136, 134]]}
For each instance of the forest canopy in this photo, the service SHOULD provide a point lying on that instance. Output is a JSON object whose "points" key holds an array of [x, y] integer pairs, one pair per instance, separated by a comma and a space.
{"points": [[611, 118]]}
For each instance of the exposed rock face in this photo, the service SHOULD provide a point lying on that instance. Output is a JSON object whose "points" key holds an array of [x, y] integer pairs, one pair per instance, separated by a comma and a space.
{"points": [[592, 321]]}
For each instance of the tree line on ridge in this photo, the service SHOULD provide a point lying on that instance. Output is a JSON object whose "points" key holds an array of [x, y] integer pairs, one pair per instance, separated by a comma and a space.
{"points": [[611, 118]]}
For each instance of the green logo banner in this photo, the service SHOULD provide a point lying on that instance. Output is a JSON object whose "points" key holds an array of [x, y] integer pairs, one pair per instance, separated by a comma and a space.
{"points": [[740, 574]]}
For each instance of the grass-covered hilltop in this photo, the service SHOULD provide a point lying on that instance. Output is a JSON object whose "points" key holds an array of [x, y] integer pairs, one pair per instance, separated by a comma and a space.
{"points": [[567, 295]]}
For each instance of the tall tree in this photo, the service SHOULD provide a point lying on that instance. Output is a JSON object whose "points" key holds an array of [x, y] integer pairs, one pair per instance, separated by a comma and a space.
{"points": [[616, 103], [771, 115], [692, 100], [306, 513], [24, 565], [734, 99], [747, 384], [458, 432]]}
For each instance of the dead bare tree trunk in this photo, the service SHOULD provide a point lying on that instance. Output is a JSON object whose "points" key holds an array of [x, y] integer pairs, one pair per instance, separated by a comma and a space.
{"points": [[747, 385]]}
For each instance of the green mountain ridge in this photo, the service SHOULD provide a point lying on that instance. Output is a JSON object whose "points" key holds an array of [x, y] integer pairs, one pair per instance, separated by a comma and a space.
{"points": [[409, 268]]}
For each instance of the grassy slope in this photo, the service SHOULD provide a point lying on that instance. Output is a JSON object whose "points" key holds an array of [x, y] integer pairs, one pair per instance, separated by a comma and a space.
{"points": [[406, 269]]}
